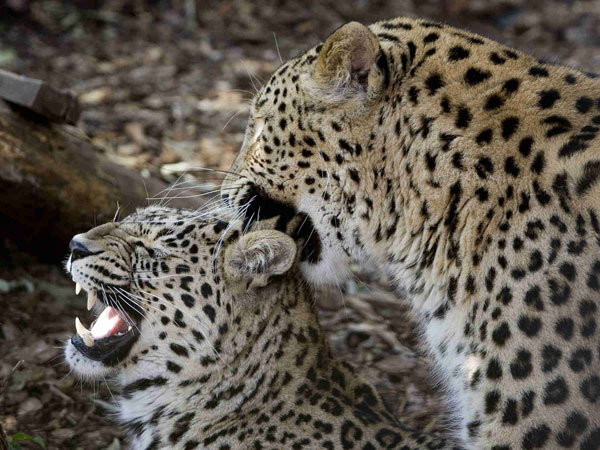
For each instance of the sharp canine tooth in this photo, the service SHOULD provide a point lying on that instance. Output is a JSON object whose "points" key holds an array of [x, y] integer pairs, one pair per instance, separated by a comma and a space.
{"points": [[91, 300], [88, 340], [81, 330], [77, 288]]}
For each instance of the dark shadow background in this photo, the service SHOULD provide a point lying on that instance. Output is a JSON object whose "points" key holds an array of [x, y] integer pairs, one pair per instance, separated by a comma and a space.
{"points": [[165, 86]]}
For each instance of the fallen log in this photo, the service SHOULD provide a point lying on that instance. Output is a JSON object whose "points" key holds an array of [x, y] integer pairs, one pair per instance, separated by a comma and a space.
{"points": [[54, 184]]}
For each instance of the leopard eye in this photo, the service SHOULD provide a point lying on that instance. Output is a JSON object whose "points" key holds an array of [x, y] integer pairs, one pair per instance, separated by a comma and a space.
{"points": [[159, 253], [142, 249]]}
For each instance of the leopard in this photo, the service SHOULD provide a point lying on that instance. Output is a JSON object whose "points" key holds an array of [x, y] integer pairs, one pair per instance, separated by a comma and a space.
{"points": [[208, 335], [468, 172]]}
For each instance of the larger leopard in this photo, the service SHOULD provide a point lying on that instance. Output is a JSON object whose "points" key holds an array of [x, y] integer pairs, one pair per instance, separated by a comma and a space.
{"points": [[470, 172], [209, 334]]}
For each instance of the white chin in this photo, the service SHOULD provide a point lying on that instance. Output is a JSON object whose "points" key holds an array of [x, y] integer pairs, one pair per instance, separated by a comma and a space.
{"points": [[332, 269], [84, 367]]}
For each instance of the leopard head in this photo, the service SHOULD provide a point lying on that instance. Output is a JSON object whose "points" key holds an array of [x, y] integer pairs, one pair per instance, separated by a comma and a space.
{"points": [[172, 288], [310, 131]]}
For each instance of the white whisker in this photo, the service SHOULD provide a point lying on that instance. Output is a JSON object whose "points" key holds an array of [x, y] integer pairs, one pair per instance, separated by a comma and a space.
{"points": [[117, 212], [230, 119], [277, 47]]}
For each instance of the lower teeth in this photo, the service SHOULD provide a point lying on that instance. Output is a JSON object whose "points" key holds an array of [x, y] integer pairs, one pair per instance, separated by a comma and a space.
{"points": [[121, 333], [86, 335], [88, 339]]}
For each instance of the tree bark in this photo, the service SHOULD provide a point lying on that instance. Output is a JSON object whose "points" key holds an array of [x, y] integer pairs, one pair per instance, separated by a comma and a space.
{"points": [[54, 184]]}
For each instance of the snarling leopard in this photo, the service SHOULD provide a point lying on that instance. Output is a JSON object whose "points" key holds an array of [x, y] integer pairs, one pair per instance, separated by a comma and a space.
{"points": [[470, 173], [208, 333]]}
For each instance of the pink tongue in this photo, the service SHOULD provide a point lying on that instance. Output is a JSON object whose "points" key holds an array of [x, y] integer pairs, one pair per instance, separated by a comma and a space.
{"points": [[108, 324]]}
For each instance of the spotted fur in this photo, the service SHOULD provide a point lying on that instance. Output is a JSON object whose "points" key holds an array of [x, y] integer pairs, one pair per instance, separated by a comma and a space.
{"points": [[470, 172], [230, 354]]}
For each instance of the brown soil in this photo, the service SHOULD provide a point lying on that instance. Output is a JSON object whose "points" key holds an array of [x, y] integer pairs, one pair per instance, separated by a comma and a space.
{"points": [[165, 89]]}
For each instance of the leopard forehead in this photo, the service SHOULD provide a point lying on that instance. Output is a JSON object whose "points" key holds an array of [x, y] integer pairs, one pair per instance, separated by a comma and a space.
{"points": [[472, 177]]}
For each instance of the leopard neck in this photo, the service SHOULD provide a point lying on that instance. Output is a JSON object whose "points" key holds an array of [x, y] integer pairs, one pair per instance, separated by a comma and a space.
{"points": [[463, 161], [425, 224]]}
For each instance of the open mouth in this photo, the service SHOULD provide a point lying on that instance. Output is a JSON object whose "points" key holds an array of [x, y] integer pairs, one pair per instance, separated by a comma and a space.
{"points": [[112, 334]]}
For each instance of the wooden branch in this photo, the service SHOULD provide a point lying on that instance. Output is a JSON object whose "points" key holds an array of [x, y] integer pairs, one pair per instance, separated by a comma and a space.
{"points": [[54, 184], [39, 97]]}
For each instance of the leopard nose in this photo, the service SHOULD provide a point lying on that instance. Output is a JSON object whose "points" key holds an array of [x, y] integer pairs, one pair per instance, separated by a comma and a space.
{"points": [[78, 250]]}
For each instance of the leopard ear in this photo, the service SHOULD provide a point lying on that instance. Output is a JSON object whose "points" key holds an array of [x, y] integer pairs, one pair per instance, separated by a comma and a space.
{"points": [[258, 256], [347, 63]]}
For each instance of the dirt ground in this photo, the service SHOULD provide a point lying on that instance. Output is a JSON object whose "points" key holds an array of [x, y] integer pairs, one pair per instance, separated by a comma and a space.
{"points": [[165, 86]]}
